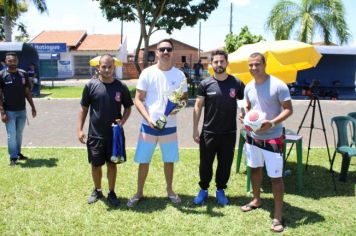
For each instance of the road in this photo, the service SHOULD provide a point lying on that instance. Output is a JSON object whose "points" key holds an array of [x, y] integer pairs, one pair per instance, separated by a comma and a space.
{"points": [[55, 125]]}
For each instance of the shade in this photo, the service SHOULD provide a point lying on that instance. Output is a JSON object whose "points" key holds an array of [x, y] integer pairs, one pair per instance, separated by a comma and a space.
{"points": [[284, 58], [95, 61]]}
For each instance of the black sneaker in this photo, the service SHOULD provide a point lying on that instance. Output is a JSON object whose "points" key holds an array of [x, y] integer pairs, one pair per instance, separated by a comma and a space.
{"points": [[12, 162], [95, 196], [22, 157], [112, 199]]}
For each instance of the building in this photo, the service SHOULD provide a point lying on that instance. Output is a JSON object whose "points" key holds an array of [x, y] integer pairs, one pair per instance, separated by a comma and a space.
{"points": [[66, 54], [335, 73], [183, 53]]}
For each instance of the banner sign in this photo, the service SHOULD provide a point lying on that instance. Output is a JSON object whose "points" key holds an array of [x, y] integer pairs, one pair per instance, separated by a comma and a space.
{"points": [[50, 47]]}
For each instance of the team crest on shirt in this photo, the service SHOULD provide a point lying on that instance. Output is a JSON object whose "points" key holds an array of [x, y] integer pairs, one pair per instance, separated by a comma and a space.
{"points": [[118, 97], [232, 92]]}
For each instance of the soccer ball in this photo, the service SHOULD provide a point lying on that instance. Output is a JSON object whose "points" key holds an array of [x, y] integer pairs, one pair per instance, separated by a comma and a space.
{"points": [[253, 120]]}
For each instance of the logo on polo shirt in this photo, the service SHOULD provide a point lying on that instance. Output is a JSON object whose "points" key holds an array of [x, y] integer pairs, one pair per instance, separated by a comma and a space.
{"points": [[118, 97], [232, 92]]}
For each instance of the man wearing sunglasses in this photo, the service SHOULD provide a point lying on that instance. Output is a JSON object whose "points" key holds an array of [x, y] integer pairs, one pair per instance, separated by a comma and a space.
{"points": [[154, 85]]}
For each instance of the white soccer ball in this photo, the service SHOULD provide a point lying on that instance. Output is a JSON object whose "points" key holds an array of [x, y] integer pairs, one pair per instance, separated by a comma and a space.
{"points": [[253, 120]]}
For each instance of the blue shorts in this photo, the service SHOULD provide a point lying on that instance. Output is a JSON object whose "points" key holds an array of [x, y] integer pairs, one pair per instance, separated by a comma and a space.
{"points": [[147, 142]]}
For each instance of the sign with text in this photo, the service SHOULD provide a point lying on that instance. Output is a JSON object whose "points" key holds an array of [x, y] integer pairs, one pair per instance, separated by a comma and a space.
{"points": [[50, 47]]}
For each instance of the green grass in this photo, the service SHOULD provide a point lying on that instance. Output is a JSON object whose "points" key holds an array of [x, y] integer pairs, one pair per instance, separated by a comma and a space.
{"points": [[76, 91], [47, 196], [62, 91]]}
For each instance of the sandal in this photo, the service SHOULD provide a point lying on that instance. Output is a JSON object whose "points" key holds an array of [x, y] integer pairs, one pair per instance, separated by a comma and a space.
{"points": [[133, 201], [249, 207], [174, 199], [277, 226]]}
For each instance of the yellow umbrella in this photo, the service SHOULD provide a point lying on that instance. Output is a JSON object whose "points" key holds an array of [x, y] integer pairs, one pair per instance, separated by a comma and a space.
{"points": [[283, 58], [95, 61]]}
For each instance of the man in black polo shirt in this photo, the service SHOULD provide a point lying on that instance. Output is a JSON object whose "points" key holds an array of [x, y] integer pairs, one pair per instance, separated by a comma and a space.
{"points": [[105, 96], [218, 137], [14, 88]]}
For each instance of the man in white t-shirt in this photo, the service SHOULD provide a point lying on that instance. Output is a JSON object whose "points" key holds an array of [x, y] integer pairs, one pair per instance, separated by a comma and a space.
{"points": [[154, 86]]}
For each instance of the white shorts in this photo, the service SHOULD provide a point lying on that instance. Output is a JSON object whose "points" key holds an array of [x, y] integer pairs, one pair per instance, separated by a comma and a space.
{"points": [[256, 157]]}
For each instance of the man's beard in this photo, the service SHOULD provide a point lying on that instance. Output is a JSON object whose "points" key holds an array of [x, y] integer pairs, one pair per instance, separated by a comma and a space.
{"points": [[219, 70], [12, 67]]}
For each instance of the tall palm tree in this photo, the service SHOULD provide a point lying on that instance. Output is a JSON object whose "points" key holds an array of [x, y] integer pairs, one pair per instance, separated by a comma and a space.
{"points": [[12, 10], [306, 17]]}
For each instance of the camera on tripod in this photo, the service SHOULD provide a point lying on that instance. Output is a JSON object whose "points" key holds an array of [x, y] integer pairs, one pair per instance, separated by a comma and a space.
{"points": [[315, 87]]}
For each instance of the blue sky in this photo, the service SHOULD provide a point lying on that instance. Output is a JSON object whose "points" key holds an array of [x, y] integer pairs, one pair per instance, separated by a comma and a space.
{"points": [[86, 15]]}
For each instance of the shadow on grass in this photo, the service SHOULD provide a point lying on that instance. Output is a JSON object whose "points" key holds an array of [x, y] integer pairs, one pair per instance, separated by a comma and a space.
{"points": [[153, 204], [34, 163], [293, 216], [145, 205], [188, 207], [43, 95], [317, 182]]}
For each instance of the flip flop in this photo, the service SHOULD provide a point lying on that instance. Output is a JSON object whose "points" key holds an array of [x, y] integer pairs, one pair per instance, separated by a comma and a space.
{"points": [[174, 199], [277, 226], [133, 201], [248, 207]]}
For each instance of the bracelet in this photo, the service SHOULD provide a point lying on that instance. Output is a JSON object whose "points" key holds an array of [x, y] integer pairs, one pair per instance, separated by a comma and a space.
{"points": [[273, 124]]}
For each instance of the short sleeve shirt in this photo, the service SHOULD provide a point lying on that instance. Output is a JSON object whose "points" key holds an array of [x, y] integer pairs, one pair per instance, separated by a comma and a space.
{"points": [[159, 85], [268, 98], [220, 101], [13, 86], [105, 101]]}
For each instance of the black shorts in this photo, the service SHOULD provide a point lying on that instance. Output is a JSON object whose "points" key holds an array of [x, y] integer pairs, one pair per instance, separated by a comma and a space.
{"points": [[100, 150]]}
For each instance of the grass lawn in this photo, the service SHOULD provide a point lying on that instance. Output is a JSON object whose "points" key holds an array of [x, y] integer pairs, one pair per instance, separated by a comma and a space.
{"points": [[76, 91], [47, 195], [62, 91]]}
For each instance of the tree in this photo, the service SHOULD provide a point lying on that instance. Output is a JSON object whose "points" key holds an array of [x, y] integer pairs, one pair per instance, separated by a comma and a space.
{"points": [[307, 17], [12, 9], [14, 15], [233, 42], [154, 15]]}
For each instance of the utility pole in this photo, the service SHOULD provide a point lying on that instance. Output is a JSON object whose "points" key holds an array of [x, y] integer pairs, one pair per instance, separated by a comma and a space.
{"points": [[122, 30], [231, 18], [199, 39]]}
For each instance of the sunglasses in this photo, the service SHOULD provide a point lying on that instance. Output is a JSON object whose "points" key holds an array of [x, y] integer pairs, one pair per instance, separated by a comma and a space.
{"points": [[165, 49]]}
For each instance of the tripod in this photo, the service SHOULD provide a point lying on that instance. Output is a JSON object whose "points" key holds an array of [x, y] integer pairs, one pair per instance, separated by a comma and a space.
{"points": [[314, 101]]}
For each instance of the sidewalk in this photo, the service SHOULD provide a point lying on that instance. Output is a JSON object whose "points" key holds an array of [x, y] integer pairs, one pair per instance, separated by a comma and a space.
{"points": [[55, 124]]}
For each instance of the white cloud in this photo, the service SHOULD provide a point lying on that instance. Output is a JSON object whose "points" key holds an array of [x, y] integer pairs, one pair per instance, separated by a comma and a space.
{"points": [[241, 2]]}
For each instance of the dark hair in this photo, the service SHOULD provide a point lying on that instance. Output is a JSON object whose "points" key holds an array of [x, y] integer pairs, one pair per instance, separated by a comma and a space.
{"points": [[11, 54], [106, 55], [257, 54], [219, 52], [166, 41]]}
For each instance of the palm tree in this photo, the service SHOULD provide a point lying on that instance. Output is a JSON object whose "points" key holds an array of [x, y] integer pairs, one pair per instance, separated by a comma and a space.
{"points": [[12, 10], [307, 17]]}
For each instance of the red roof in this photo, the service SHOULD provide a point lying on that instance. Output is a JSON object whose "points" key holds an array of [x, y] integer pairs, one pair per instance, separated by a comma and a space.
{"points": [[71, 38], [101, 42]]}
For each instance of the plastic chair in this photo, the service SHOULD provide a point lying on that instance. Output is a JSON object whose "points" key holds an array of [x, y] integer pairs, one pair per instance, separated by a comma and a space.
{"points": [[343, 143], [290, 137], [353, 115]]}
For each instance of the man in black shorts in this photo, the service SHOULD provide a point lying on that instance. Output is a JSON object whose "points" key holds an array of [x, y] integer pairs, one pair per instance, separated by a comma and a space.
{"points": [[218, 136], [105, 97]]}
